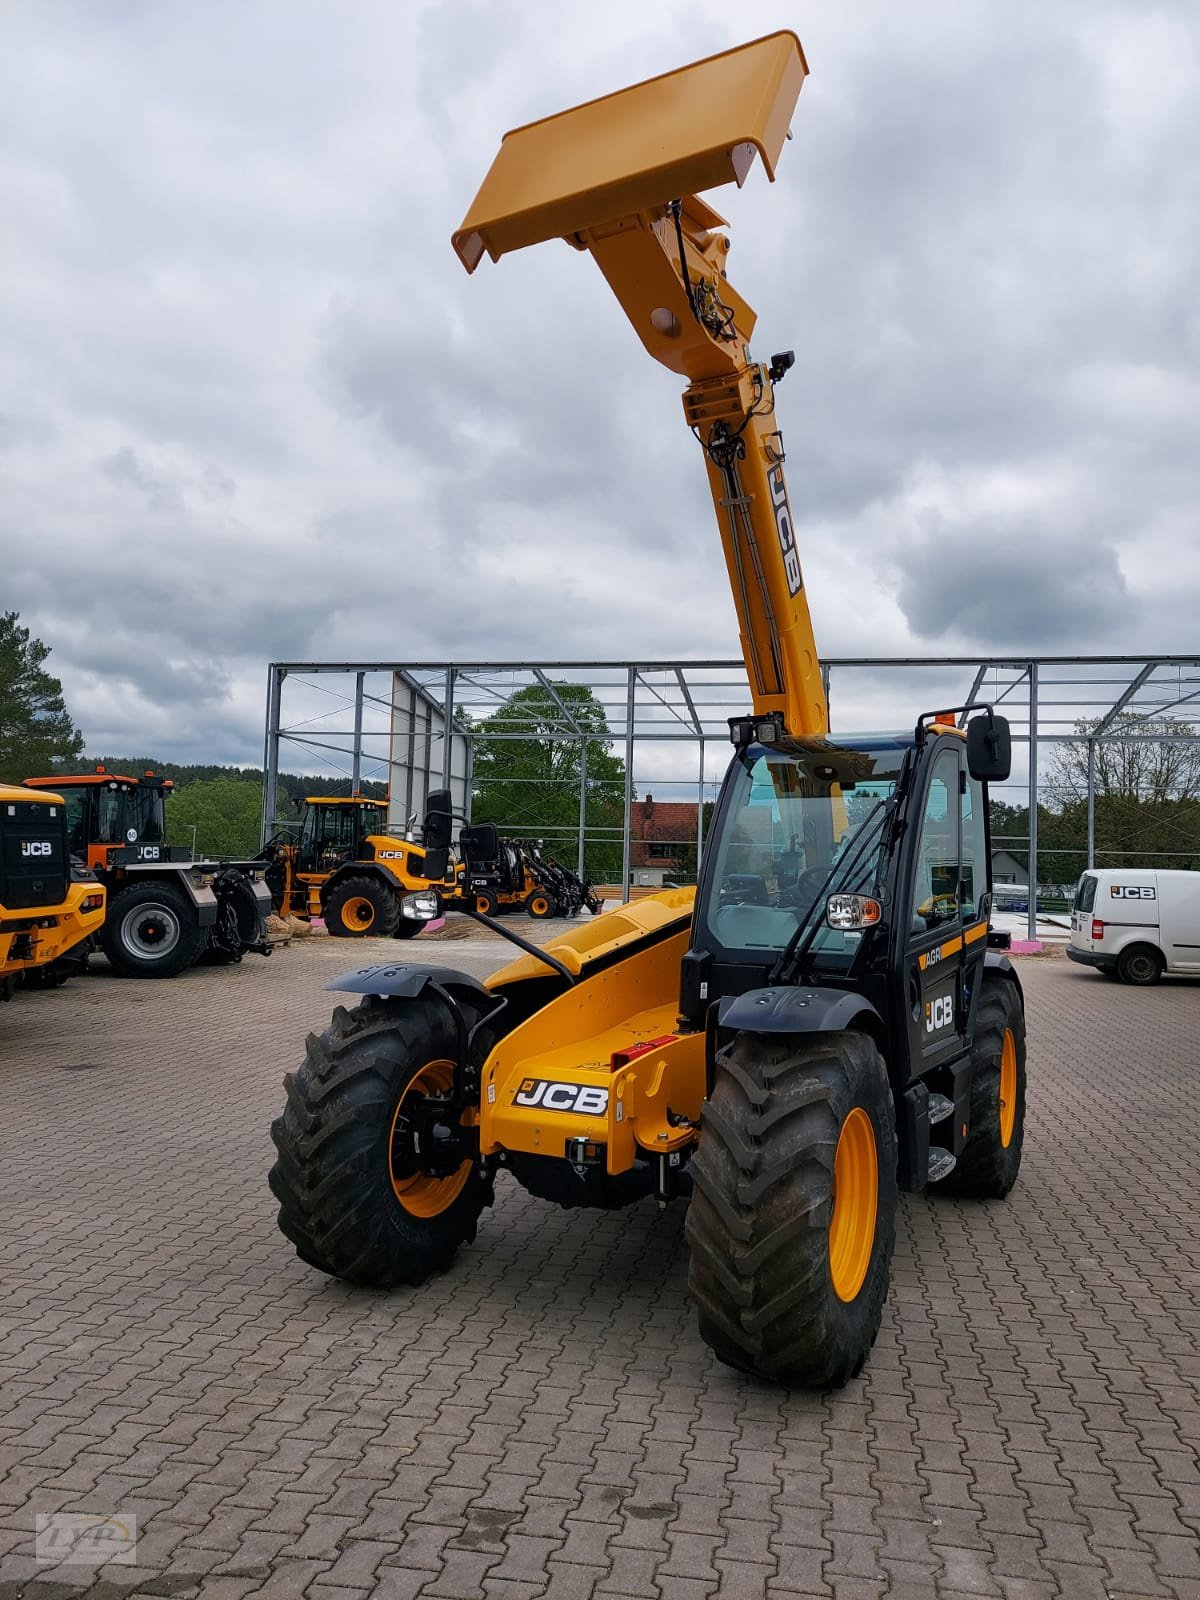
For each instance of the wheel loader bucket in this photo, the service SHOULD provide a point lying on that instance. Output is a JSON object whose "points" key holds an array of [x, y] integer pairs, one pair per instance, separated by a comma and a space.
{"points": [[678, 134]]}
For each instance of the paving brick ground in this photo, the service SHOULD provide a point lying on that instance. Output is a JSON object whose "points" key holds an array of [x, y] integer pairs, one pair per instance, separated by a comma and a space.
{"points": [[544, 1419]]}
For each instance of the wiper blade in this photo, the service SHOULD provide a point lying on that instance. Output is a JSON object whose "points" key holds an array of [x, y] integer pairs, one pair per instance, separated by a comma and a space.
{"points": [[793, 952]]}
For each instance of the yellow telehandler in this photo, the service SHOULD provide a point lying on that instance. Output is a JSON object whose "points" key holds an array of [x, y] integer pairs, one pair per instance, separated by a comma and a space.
{"points": [[826, 1018], [49, 909]]}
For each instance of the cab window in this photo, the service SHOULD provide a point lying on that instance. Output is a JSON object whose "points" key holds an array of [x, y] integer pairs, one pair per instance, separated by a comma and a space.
{"points": [[935, 892], [974, 849], [1086, 898]]}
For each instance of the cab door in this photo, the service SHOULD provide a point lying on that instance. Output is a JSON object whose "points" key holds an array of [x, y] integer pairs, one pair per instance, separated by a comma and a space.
{"points": [[932, 966]]}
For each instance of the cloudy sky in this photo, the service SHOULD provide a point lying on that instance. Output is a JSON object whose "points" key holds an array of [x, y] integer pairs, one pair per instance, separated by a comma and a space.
{"points": [[251, 407]]}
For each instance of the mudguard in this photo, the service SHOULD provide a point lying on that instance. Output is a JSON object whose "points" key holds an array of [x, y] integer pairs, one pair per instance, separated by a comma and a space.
{"points": [[995, 961], [798, 1010], [396, 980]]}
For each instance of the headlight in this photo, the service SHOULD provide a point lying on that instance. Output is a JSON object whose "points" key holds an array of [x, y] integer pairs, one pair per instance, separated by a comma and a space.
{"points": [[420, 906], [852, 911]]}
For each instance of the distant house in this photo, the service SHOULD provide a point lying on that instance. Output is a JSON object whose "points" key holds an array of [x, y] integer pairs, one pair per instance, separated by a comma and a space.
{"points": [[1009, 868], [662, 839]]}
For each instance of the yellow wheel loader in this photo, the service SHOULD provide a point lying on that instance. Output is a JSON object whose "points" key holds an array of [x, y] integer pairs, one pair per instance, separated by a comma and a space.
{"points": [[49, 908], [822, 1022], [347, 867]]}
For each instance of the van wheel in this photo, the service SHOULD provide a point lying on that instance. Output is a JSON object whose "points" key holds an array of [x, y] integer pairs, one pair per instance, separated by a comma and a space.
{"points": [[1140, 964]]}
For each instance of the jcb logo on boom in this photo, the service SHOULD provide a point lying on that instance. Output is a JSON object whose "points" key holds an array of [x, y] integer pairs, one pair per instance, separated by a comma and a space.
{"points": [[36, 847], [586, 1099], [939, 1013], [783, 526]]}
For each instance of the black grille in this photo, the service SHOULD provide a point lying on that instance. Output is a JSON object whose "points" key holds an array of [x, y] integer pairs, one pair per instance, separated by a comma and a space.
{"points": [[35, 867]]}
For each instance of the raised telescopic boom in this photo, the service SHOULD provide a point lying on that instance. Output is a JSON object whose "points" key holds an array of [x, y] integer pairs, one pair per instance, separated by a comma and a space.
{"points": [[617, 177]]}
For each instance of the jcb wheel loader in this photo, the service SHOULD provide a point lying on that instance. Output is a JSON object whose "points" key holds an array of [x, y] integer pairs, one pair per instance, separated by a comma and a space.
{"points": [[49, 908], [347, 867], [826, 1019], [165, 911]]}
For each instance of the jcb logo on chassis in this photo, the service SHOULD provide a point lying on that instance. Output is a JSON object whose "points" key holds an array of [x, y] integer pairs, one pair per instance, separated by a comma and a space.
{"points": [[36, 847], [939, 1013], [783, 526], [1133, 891], [586, 1099]]}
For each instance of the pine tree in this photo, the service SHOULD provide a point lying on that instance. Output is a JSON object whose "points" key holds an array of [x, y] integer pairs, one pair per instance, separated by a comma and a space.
{"points": [[37, 735]]}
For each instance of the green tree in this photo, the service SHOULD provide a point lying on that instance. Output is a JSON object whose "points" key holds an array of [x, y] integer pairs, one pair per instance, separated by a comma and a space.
{"points": [[225, 812], [529, 785], [37, 735]]}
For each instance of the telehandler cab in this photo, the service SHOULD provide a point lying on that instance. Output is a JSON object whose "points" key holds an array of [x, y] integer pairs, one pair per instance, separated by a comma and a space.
{"points": [[824, 1019]]}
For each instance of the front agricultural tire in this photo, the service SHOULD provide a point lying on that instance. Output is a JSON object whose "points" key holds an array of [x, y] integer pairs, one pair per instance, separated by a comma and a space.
{"points": [[793, 1212], [989, 1161], [359, 907], [540, 905], [352, 1197], [152, 930]]}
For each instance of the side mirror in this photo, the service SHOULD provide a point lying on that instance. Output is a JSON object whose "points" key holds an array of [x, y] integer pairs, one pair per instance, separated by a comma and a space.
{"points": [[989, 748], [479, 845]]}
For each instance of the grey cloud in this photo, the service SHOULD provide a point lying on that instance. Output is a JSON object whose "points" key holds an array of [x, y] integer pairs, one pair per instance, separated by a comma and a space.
{"points": [[252, 405]]}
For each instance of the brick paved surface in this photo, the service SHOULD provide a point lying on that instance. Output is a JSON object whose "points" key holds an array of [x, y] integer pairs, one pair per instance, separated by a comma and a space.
{"points": [[544, 1419]]}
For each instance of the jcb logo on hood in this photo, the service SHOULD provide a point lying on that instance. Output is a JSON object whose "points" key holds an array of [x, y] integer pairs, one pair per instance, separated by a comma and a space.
{"points": [[586, 1099], [36, 847]]}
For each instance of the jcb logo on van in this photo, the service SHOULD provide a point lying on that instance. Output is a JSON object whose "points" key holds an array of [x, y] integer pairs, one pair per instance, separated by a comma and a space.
{"points": [[586, 1099], [1133, 891], [939, 1013], [36, 847]]}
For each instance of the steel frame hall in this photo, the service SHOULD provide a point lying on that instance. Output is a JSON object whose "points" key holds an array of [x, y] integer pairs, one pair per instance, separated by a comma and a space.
{"points": [[665, 706]]}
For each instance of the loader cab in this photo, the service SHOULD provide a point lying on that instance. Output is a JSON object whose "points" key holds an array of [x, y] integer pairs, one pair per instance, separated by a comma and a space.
{"points": [[334, 831]]}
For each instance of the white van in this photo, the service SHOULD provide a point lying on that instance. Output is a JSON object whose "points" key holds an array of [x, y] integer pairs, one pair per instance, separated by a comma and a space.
{"points": [[1137, 923]]}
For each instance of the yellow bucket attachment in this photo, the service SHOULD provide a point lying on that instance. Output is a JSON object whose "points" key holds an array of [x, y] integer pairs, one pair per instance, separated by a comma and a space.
{"points": [[674, 135]]}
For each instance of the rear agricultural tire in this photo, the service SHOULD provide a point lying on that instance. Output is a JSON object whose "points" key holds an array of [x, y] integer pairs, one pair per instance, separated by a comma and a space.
{"points": [[1140, 965], [989, 1162], [361, 907], [152, 930], [351, 1198], [793, 1213]]}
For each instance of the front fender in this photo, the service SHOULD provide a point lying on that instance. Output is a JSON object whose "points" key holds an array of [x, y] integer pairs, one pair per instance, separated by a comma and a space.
{"points": [[798, 1010], [398, 980]]}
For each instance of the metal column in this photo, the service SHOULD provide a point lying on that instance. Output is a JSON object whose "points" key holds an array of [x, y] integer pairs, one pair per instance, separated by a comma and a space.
{"points": [[627, 824], [700, 814], [275, 677], [1033, 792], [1091, 802], [582, 805], [448, 730], [356, 758], [825, 686]]}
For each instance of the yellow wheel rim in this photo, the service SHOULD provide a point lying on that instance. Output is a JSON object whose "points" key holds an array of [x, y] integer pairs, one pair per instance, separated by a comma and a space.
{"points": [[541, 907], [420, 1194], [855, 1204], [1008, 1088], [358, 913]]}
